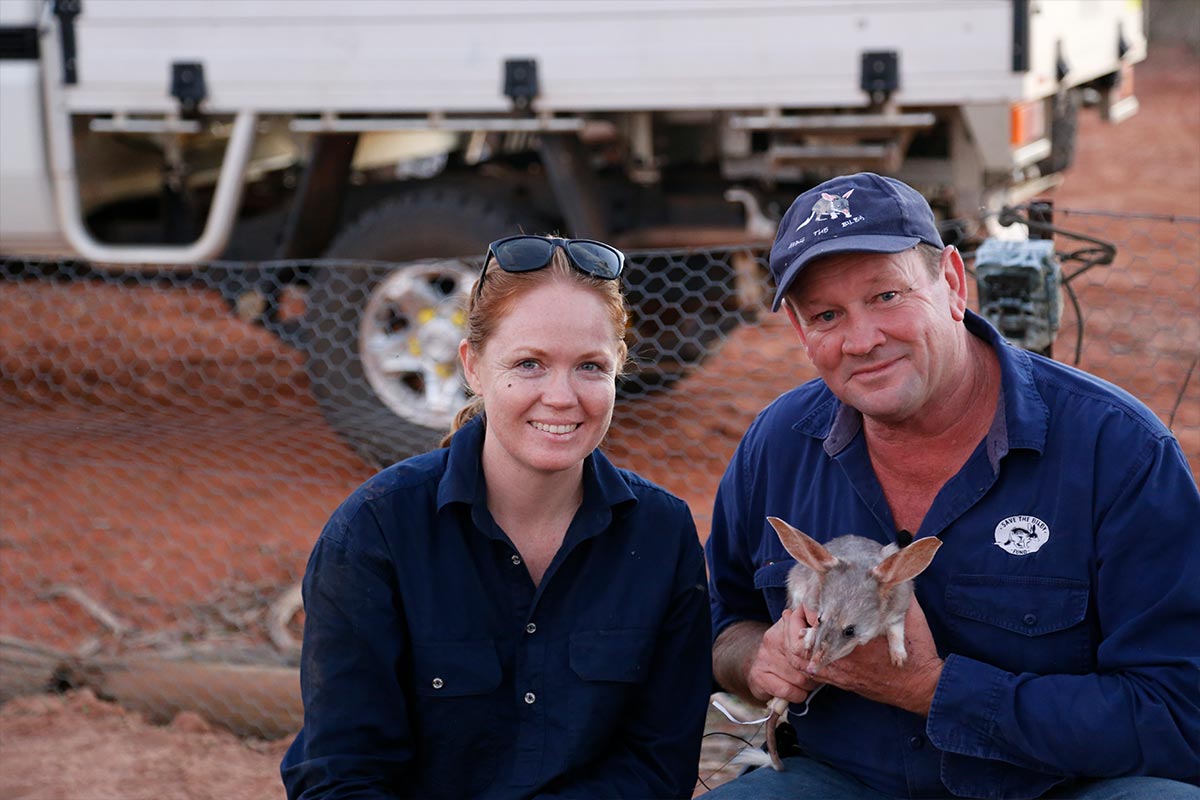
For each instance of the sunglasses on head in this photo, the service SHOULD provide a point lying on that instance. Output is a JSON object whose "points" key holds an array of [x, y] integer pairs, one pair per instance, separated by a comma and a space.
{"points": [[526, 253]]}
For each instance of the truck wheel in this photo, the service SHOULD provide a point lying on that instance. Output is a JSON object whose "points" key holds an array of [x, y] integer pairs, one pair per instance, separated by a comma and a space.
{"points": [[383, 340]]}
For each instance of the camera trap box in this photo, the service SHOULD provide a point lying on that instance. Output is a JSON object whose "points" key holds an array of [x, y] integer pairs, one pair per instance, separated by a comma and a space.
{"points": [[1020, 290]]}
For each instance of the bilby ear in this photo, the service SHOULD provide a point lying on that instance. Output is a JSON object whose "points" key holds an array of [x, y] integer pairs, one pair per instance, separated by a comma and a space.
{"points": [[803, 549], [908, 563]]}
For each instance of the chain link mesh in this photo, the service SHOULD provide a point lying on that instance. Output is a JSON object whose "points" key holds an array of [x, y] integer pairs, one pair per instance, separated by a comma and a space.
{"points": [[173, 440]]}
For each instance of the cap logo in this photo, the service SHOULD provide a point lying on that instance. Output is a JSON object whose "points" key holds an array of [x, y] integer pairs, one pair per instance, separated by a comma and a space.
{"points": [[829, 206], [1021, 535]]}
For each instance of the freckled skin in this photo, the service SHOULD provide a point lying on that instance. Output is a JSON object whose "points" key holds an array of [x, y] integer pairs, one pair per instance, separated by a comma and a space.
{"points": [[552, 360]]}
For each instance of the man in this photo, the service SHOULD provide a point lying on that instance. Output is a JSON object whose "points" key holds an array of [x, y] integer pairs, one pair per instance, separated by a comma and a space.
{"points": [[1054, 643]]}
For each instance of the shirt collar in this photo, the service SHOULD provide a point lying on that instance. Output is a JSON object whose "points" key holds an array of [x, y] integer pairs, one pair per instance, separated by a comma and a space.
{"points": [[1021, 421], [1022, 417], [463, 474], [603, 484]]}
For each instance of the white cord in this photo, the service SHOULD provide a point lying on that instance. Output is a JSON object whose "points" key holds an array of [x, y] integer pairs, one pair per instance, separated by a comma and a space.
{"points": [[735, 720], [728, 715], [807, 700]]}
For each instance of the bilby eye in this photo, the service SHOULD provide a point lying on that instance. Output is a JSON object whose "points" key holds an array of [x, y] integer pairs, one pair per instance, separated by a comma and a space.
{"points": [[848, 631]]}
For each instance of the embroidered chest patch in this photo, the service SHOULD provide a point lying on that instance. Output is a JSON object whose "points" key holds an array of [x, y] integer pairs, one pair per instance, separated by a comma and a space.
{"points": [[1021, 535]]}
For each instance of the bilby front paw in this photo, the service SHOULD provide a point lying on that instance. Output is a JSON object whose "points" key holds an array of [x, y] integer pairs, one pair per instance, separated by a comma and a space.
{"points": [[898, 655]]}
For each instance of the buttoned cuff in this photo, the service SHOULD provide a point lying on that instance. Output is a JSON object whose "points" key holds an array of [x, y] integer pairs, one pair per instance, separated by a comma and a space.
{"points": [[962, 723], [962, 717]]}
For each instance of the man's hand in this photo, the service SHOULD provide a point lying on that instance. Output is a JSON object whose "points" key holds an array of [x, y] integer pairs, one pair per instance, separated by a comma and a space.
{"points": [[777, 669], [868, 670]]}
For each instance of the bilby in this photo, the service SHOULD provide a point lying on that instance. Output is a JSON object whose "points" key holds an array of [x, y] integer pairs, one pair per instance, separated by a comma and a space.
{"points": [[859, 589]]}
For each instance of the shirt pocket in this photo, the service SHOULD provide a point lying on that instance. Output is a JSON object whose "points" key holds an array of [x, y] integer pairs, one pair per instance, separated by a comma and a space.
{"points": [[455, 682], [619, 655], [609, 668], [1021, 623], [771, 580], [456, 669]]}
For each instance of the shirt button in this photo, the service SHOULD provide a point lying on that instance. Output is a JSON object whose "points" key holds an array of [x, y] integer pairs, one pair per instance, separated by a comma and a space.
{"points": [[438, 683], [530, 697], [916, 742], [516, 560], [1030, 619]]}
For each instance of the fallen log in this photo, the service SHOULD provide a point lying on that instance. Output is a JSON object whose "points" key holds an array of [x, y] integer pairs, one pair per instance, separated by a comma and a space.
{"points": [[29, 668], [249, 700]]}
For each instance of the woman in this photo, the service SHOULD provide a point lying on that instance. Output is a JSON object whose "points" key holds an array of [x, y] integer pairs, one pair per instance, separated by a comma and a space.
{"points": [[511, 616]]}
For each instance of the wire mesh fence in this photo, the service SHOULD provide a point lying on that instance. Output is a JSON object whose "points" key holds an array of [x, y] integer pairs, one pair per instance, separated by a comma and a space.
{"points": [[173, 441]]}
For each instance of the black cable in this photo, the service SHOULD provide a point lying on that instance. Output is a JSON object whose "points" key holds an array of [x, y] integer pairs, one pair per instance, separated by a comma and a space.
{"points": [[1096, 253], [741, 739], [1179, 398], [728, 761], [1078, 322], [1089, 256], [1102, 253]]}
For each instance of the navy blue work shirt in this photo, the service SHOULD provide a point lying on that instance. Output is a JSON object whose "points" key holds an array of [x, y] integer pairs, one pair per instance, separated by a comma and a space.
{"points": [[1065, 598], [433, 667]]}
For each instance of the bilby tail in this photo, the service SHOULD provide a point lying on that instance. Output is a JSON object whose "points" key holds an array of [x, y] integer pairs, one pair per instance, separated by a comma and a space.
{"points": [[752, 757]]}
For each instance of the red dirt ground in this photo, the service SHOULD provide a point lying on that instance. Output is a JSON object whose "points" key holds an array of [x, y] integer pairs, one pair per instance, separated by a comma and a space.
{"points": [[108, 488]]}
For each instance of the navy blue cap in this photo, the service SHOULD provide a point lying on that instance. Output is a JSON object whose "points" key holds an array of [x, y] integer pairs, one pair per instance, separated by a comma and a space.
{"points": [[860, 213]]}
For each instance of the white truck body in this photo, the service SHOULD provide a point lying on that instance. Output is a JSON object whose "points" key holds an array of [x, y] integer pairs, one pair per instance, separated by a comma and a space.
{"points": [[428, 56], [421, 66]]}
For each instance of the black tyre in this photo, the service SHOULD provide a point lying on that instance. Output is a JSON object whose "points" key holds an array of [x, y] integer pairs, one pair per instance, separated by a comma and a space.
{"points": [[683, 307], [1064, 127], [383, 339]]}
